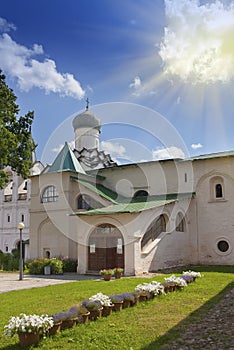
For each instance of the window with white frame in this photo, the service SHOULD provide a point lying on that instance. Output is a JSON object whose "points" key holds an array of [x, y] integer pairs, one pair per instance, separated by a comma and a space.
{"points": [[49, 194]]}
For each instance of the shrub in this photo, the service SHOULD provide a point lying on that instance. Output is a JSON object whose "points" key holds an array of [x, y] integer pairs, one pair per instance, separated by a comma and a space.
{"points": [[9, 262], [36, 267], [56, 266], [69, 265]]}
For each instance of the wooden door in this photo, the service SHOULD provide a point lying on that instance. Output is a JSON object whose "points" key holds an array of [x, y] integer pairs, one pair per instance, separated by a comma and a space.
{"points": [[106, 248]]}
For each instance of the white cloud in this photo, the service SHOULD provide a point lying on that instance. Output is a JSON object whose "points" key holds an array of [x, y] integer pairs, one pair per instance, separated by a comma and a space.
{"points": [[6, 26], [115, 149], [167, 153], [178, 100], [17, 60], [198, 44], [196, 145], [136, 86], [58, 148]]}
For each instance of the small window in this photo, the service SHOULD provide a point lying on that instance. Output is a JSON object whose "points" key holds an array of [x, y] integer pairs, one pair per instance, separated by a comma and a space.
{"points": [[8, 218], [86, 202], [49, 195], [185, 177], [223, 246], [47, 254], [6, 249], [218, 191], [180, 223], [141, 193], [22, 217]]}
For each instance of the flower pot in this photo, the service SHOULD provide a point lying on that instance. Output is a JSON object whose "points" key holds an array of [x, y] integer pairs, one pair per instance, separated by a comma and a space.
{"points": [[126, 304], [68, 323], [143, 297], [106, 277], [136, 301], [27, 339], [107, 310], [118, 305], [118, 275], [85, 318], [95, 314], [55, 329]]}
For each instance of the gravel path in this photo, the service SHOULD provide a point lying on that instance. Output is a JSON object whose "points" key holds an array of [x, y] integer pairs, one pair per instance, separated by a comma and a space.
{"points": [[215, 330]]}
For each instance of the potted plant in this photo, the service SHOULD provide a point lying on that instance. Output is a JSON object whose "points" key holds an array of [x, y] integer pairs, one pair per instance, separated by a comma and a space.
{"points": [[194, 274], [57, 324], [94, 307], [68, 318], [117, 300], [107, 274], [128, 299], [105, 302], [172, 283], [28, 327], [144, 291], [118, 271], [82, 313]]}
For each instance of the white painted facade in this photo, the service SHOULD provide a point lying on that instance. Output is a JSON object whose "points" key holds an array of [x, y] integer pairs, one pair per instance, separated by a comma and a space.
{"points": [[14, 208], [200, 192]]}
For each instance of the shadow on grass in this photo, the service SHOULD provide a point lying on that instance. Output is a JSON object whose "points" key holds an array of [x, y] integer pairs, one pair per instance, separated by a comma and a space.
{"points": [[174, 333]]}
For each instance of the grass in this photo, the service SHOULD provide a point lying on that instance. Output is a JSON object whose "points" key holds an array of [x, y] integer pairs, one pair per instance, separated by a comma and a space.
{"points": [[147, 326]]}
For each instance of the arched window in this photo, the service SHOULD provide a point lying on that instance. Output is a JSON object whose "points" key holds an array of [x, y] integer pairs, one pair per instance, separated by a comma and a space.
{"points": [[154, 230], [86, 202], [47, 254], [49, 195], [180, 223], [218, 191], [141, 193]]}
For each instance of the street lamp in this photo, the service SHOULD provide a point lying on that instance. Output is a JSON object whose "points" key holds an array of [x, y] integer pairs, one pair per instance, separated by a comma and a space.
{"points": [[21, 227]]}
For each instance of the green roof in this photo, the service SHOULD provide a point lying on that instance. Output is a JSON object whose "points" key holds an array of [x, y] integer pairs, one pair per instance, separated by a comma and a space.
{"points": [[101, 190], [136, 205], [212, 155], [126, 207], [66, 160]]}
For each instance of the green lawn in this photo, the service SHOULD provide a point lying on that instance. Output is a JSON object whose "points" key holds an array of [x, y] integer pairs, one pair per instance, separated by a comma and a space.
{"points": [[146, 326]]}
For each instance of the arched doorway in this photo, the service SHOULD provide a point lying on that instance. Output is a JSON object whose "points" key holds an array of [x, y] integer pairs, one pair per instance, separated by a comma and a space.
{"points": [[105, 248]]}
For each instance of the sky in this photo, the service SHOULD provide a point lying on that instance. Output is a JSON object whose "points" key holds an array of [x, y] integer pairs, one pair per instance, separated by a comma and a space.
{"points": [[158, 73]]}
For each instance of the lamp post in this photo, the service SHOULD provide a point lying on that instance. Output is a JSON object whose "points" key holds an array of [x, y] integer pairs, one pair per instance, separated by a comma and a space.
{"points": [[20, 227]]}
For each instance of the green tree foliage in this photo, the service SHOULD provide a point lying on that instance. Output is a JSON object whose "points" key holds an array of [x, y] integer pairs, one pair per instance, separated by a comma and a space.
{"points": [[16, 144]]}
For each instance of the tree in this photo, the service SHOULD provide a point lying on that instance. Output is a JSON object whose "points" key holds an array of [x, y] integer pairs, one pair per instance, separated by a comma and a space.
{"points": [[16, 143]]}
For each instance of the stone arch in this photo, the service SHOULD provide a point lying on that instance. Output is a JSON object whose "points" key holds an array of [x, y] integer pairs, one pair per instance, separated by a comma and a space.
{"points": [[105, 247], [156, 227]]}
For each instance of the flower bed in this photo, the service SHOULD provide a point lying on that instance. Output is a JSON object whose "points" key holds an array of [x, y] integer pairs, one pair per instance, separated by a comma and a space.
{"points": [[94, 307]]}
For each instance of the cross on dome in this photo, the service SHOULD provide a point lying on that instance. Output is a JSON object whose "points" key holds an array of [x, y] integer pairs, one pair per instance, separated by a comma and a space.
{"points": [[87, 103]]}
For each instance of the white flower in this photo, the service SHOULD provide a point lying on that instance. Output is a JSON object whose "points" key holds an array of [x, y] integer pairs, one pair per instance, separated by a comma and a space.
{"points": [[177, 280], [28, 324], [152, 287], [102, 298], [192, 273]]}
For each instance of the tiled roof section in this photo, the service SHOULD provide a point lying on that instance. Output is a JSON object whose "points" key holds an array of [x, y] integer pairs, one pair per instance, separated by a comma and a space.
{"points": [[66, 160]]}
